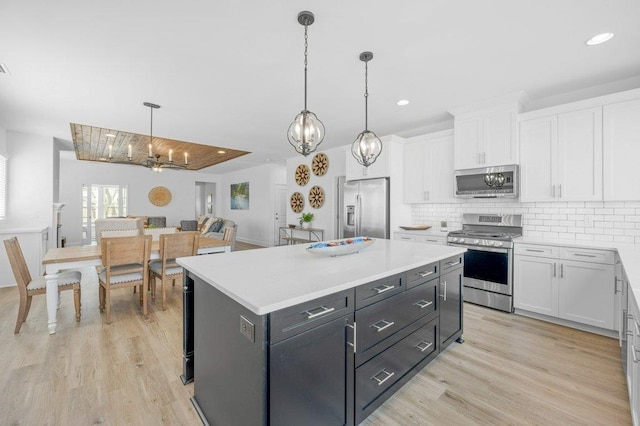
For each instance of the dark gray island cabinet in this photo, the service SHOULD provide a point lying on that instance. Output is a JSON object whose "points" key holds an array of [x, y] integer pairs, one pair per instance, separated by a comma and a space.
{"points": [[330, 360]]}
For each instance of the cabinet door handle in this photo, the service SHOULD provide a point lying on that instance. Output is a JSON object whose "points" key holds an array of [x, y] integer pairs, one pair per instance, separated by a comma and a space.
{"points": [[383, 288], [562, 270], [423, 304], [387, 376], [426, 346], [425, 274], [444, 293], [584, 255], [354, 327], [635, 324], [452, 263], [385, 324], [554, 269], [560, 191], [615, 285], [324, 311]]}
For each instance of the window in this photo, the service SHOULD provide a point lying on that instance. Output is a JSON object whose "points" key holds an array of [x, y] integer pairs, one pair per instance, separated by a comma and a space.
{"points": [[98, 202], [3, 187]]}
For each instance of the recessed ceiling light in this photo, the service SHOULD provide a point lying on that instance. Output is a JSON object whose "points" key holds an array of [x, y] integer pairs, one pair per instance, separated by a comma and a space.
{"points": [[222, 152], [110, 135], [402, 102], [600, 38]]}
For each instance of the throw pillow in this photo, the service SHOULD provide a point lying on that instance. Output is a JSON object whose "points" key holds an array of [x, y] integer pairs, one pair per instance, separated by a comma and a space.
{"points": [[207, 224], [216, 226]]}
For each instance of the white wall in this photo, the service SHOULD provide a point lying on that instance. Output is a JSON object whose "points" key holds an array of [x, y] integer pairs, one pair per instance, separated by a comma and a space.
{"points": [[30, 176], [74, 173], [255, 225], [3, 141], [326, 216]]}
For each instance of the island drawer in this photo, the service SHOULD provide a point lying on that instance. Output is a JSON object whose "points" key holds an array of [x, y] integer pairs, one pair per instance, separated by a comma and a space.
{"points": [[380, 373], [377, 290], [421, 275], [296, 319], [377, 322], [451, 263]]}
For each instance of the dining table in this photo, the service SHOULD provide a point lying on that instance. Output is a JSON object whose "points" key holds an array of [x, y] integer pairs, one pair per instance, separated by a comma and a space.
{"points": [[74, 257]]}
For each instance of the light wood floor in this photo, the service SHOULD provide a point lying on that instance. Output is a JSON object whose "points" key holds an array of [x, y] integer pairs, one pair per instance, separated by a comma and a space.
{"points": [[510, 370]]}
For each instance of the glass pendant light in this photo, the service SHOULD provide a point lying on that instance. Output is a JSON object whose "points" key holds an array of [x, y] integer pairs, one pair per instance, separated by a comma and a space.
{"points": [[307, 131], [367, 146]]}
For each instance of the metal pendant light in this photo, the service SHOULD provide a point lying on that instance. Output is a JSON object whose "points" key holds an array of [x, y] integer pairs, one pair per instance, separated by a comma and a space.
{"points": [[367, 146], [307, 131]]}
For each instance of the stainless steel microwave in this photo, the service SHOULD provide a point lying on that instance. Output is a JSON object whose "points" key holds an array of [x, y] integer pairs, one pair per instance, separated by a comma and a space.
{"points": [[488, 182]]}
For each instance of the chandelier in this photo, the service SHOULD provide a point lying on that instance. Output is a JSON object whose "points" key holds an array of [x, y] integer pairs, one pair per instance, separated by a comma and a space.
{"points": [[367, 146], [153, 161], [307, 131]]}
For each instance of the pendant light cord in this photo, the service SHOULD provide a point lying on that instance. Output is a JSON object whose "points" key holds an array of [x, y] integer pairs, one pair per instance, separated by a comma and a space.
{"points": [[151, 129], [306, 45], [366, 96]]}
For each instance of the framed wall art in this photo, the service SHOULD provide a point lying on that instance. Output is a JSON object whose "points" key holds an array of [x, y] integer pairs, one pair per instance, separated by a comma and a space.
{"points": [[240, 196]]}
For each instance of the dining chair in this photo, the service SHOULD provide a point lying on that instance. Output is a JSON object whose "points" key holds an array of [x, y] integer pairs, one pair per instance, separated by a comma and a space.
{"points": [[124, 261], [29, 287], [228, 236], [165, 268]]}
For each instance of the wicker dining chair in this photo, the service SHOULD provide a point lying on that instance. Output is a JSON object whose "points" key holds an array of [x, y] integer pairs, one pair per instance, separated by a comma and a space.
{"points": [[29, 287]]}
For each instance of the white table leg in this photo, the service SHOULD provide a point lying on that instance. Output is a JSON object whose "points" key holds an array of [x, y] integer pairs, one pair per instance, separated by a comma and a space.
{"points": [[52, 301]]}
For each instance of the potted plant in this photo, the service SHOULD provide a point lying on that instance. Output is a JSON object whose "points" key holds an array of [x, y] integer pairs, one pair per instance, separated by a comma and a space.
{"points": [[305, 220]]}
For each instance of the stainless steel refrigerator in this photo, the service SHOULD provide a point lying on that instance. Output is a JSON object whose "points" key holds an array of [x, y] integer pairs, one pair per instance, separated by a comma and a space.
{"points": [[365, 208]]}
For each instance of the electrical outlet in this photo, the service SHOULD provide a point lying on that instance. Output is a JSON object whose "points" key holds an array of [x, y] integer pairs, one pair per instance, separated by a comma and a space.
{"points": [[247, 329], [588, 221]]}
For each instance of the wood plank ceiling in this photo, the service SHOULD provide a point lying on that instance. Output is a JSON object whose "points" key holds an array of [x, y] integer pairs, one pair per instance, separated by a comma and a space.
{"points": [[92, 144]]}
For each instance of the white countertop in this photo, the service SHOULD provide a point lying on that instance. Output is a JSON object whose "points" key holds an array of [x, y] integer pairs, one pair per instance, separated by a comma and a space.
{"points": [[266, 280], [431, 232]]}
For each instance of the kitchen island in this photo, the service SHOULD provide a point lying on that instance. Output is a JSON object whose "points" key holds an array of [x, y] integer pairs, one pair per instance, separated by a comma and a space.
{"points": [[282, 336]]}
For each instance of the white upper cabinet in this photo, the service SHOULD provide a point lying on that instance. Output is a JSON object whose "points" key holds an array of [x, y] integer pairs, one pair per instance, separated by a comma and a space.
{"points": [[486, 137], [621, 127], [561, 157], [428, 168]]}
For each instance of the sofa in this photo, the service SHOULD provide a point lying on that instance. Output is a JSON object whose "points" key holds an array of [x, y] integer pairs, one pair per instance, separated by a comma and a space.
{"points": [[213, 227]]}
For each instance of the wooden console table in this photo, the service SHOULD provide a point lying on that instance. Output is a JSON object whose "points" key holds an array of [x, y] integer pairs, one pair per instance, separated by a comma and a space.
{"points": [[288, 235]]}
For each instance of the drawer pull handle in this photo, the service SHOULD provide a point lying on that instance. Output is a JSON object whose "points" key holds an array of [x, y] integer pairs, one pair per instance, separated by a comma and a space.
{"points": [[387, 376], [324, 311], [383, 288], [452, 263], [425, 274], [426, 346], [406, 238], [535, 251], [422, 304], [385, 324], [433, 241], [584, 255]]}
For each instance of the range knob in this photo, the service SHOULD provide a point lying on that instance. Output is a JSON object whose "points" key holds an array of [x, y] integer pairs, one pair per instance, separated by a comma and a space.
{"points": [[476, 242], [490, 243], [461, 240], [455, 240], [499, 244]]}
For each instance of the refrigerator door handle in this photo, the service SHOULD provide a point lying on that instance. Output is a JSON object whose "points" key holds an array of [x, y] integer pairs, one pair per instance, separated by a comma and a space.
{"points": [[358, 215]]}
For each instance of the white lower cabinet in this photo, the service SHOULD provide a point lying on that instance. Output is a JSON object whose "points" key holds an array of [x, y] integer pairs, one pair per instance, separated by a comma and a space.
{"points": [[548, 281], [633, 357], [429, 239]]}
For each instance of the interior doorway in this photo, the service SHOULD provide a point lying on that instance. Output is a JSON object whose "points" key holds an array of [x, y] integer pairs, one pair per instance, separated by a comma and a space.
{"points": [[205, 198], [280, 211]]}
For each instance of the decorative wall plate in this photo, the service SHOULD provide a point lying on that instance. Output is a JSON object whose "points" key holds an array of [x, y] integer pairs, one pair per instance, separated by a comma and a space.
{"points": [[160, 196], [320, 164], [302, 174], [316, 197], [297, 202]]}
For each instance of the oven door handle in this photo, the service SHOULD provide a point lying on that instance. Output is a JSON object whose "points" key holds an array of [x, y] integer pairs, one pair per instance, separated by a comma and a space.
{"points": [[481, 248]]}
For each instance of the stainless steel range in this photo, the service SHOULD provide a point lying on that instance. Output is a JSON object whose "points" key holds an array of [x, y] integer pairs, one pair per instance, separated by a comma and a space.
{"points": [[488, 262]]}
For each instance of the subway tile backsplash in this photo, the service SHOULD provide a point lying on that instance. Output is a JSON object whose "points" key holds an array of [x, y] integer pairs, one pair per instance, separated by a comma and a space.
{"points": [[617, 221]]}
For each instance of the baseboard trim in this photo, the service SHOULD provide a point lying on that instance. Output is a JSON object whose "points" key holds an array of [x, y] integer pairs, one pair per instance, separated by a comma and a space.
{"points": [[567, 323]]}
